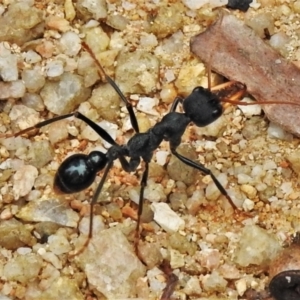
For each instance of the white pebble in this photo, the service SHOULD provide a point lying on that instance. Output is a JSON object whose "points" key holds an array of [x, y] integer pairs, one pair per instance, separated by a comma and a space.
{"points": [[54, 68], [154, 192], [250, 110], [24, 180], [161, 157], [192, 4], [23, 251], [269, 165], [8, 64], [277, 132], [71, 43], [170, 76], [243, 178], [146, 105], [287, 188], [167, 218], [31, 57], [241, 286], [51, 258], [248, 205]]}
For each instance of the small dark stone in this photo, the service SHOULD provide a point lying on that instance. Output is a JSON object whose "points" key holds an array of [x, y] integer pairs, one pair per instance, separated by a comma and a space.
{"points": [[239, 4]]}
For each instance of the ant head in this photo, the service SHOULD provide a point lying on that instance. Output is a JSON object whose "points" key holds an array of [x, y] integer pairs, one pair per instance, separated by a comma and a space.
{"points": [[202, 106]]}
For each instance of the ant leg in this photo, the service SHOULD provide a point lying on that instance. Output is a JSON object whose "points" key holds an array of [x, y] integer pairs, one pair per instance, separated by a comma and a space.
{"points": [[93, 202], [206, 171], [175, 103], [141, 203], [129, 107], [103, 134], [129, 167]]}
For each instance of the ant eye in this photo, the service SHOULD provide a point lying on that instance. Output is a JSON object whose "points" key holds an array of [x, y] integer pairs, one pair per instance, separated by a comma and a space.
{"points": [[216, 112]]}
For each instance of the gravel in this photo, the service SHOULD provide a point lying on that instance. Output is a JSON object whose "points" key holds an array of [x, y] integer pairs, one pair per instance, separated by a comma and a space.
{"points": [[216, 253]]}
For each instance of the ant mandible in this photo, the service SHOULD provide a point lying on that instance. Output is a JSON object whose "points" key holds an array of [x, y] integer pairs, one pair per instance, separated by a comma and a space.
{"points": [[78, 171]]}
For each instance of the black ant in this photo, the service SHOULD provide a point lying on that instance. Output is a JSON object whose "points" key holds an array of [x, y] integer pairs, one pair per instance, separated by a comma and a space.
{"points": [[78, 171]]}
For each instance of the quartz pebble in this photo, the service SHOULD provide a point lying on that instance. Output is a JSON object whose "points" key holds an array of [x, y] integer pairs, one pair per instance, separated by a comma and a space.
{"points": [[13, 89], [21, 22], [96, 9], [214, 282], [24, 180], [256, 246], [8, 65], [137, 72], [15, 235], [50, 210], [61, 97], [105, 262], [23, 268], [166, 217]]}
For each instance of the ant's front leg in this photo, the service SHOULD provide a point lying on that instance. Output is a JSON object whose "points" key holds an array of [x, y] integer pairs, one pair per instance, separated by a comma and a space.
{"points": [[206, 171]]}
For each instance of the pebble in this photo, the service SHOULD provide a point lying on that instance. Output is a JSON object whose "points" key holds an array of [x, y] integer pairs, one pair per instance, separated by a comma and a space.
{"points": [[188, 78], [249, 190], [214, 282], [8, 65], [154, 192], [23, 268], [250, 110], [51, 258], [62, 97], [62, 288], [49, 210], [167, 218], [256, 246], [277, 132], [177, 259], [54, 68], [147, 104], [241, 286], [12, 89], [156, 280], [40, 153], [161, 157], [70, 43], [168, 20], [92, 9], [294, 160], [24, 180], [58, 244], [137, 72], [209, 258], [248, 205], [33, 80], [15, 235], [18, 21], [192, 287], [107, 102], [110, 264], [150, 254]]}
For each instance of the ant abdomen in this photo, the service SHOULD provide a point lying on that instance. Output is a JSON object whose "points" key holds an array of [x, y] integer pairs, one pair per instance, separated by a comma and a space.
{"points": [[78, 172]]}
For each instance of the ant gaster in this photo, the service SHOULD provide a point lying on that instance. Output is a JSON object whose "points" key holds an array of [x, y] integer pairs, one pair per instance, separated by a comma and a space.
{"points": [[78, 171]]}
